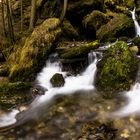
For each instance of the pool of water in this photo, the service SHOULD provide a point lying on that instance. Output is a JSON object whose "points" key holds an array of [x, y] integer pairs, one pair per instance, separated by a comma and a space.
{"points": [[64, 118]]}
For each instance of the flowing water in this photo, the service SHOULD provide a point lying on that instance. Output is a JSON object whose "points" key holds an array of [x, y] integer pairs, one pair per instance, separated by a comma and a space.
{"points": [[61, 113], [137, 27]]}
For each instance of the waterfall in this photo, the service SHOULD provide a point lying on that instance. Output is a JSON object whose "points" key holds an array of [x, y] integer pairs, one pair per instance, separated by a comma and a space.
{"points": [[133, 96], [137, 27], [81, 82]]}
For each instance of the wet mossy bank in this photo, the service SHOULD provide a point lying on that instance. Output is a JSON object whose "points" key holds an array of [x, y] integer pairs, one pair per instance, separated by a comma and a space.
{"points": [[13, 94]]}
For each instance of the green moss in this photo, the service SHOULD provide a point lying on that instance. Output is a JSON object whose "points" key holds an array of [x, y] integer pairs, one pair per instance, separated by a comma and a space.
{"points": [[57, 80], [117, 70], [68, 30], [80, 51], [29, 59], [12, 94], [120, 25], [95, 20], [11, 88], [136, 41]]}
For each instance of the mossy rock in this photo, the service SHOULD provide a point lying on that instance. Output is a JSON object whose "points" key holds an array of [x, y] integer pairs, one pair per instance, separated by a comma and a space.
{"points": [[57, 80], [12, 94], [117, 70], [136, 42], [120, 25], [94, 20], [69, 31], [80, 8], [80, 51], [30, 58]]}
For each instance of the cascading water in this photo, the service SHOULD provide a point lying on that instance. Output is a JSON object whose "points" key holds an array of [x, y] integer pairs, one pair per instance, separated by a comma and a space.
{"points": [[81, 82], [133, 96], [9, 118], [137, 27]]}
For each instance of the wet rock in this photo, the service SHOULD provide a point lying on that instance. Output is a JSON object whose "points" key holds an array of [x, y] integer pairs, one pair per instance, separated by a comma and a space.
{"points": [[117, 69], [38, 90], [57, 80], [30, 58], [134, 49], [119, 26]]}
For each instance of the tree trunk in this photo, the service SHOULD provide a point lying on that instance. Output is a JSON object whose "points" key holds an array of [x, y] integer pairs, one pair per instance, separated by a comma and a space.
{"points": [[32, 16], [21, 13], [65, 4], [10, 24], [3, 18]]}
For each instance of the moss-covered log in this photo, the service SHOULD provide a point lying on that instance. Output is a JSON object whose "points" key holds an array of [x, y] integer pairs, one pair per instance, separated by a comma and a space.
{"points": [[80, 51]]}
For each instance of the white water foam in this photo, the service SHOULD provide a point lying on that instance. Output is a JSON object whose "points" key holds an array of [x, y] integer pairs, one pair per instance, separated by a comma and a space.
{"points": [[137, 27], [81, 82], [133, 105], [8, 118]]}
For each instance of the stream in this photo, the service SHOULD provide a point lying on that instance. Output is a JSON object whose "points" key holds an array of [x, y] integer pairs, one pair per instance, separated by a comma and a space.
{"points": [[61, 113]]}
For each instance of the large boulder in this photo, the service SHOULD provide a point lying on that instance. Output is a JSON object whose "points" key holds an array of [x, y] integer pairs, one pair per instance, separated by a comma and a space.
{"points": [[120, 25], [117, 69], [77, 9], [30, 58]]}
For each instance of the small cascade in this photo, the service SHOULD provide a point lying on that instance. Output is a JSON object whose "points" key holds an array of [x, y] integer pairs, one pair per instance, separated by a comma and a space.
{"points": [[133, 97], [8, 118], [81, 82], [137, 27], [92, 55], [133, 105]]}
